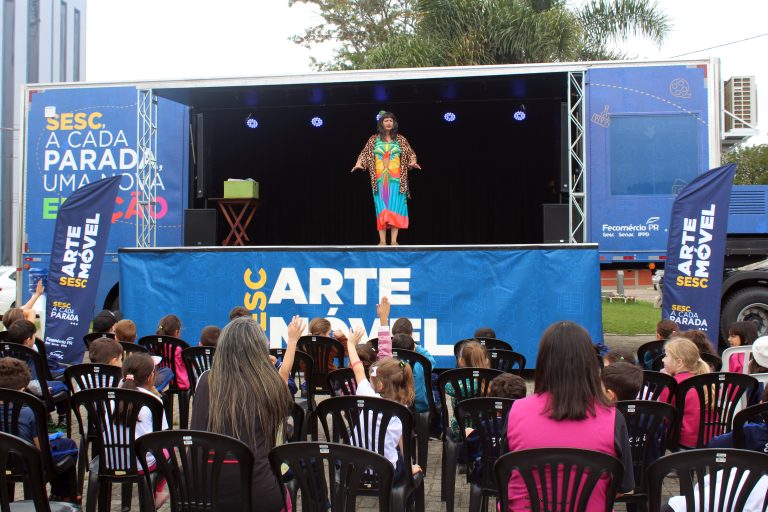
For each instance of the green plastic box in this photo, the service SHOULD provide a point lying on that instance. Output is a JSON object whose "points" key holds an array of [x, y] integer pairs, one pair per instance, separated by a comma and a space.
{"points": [[241, 189]]}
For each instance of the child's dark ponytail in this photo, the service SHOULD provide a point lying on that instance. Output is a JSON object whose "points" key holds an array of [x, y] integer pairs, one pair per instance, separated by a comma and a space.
{"points": [[169, 325], [137, 370]]}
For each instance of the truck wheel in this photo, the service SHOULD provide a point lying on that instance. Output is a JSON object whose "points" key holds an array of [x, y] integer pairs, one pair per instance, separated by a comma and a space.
{"points": [[749, 304]]}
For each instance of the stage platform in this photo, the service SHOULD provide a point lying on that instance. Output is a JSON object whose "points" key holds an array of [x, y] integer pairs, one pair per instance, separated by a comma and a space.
{"points": [[446, 291]]}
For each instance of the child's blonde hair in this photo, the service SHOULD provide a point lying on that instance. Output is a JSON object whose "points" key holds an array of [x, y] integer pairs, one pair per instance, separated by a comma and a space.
{"points": [[319, 326], [396, 378], [687, 351], [474, 355]]}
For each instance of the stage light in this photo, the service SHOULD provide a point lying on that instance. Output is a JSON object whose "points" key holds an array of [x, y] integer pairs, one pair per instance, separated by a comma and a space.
{"points": [[449, 117], [317, 122], [250, 122], [520, 114]]}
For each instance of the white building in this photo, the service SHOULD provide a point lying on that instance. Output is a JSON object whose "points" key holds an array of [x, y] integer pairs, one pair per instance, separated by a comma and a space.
{"points": [[43, 41]]}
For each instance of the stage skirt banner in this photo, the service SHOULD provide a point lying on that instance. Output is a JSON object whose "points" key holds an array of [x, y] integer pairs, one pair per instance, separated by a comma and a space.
{"points": [[77, 255], [446, 292], [693, 273]]}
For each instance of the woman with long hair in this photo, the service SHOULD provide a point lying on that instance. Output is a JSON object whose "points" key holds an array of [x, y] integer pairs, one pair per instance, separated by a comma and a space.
{"points": [[387, 156], [245, 397], [568, 409]]}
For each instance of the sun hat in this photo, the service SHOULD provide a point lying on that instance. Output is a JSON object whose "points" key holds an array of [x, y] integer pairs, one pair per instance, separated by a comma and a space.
{"points": [[760, 351]]}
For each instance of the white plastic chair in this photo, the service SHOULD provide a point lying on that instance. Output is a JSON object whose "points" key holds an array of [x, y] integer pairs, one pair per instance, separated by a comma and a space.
{"points": [[730, 352]]}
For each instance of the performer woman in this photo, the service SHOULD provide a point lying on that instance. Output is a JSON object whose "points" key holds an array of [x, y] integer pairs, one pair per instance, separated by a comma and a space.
{"points": [[387, 156]]}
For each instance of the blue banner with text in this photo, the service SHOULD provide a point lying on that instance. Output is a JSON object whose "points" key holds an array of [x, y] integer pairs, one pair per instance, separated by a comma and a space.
{"points": [[446, 292], [77, 255], [693, 274]]}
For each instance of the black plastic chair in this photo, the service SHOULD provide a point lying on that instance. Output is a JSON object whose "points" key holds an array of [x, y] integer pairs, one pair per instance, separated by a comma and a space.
{"points": [[166, 347], [650, 425], [20, 461], [43, 351], [572, 474], [329, 475], [192, 463], [132, 348], [113, 413], [757, 412], [488, 343], [11, 404], [362, 421], [303, 368], [423, 419], [652, 350], [38, 366], [89, 376], [197, 360], [654, 384], [463, 383], [342, 382], [297, 425], [718, 396], [691, 468], [507, 361], [91, 336], [488, 418], [325, 353]]}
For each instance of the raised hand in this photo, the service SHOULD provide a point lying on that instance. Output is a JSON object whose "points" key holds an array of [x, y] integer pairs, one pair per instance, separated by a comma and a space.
{"points": [[295, 329]]}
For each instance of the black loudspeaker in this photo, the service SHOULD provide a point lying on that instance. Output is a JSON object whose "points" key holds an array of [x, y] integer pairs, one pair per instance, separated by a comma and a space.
{"points": [[203, 158], [199, 227], [555, 223], [564, 147]]}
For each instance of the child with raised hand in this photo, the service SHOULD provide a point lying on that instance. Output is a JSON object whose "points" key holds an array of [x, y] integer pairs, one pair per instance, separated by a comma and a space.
{"points": [[740, 334], [139, 375], [390, 379]]}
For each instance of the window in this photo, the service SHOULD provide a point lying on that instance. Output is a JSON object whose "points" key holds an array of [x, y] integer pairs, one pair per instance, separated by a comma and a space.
{"points": [[63, 43]]}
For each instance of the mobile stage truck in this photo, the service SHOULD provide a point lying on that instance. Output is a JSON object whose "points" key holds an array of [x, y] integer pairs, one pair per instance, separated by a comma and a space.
{"points": [[519, 154]]}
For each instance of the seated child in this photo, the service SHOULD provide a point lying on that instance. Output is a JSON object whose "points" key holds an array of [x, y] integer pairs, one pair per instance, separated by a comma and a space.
{"points": [[105, 320], [740, 334], [665, 330], [170, 325], [125, 330], [23, 333], [622, 381], [106, 351], [402, 326], [405, 341], [209, 336], [755, 435], [616, 355], [237, 312], [484, 332], [14, 374]]}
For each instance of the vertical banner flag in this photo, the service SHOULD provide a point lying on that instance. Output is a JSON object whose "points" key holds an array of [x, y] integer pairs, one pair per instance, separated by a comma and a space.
{"points": [[79, 243], [693, 274]]}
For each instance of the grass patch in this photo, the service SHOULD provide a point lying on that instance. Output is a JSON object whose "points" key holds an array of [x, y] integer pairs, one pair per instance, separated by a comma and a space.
{"points": [[630, 318]]}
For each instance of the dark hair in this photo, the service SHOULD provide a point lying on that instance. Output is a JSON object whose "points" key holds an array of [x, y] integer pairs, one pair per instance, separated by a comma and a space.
{"points": [[404, 341], [209, 337], [367, 355], [747, 331], [700, 339], [14, 374], [567, 369], [666, 328], [508, 385], [380, 124], [624, 379], [125, 330], [239, 311], [104, 350], [402, 326], [616, 355], [137, 368], [754, 367], [168, 325], [485, 332], [11, 316], [104, 321], [20, 331]]}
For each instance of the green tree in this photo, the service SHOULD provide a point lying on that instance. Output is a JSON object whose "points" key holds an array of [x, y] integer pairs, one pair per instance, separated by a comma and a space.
{"points": [[417, 33], [357, 26], [751, 162]]}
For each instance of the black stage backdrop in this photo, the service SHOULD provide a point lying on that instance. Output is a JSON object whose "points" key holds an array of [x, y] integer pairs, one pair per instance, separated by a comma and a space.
{"points": [[483, 181]]}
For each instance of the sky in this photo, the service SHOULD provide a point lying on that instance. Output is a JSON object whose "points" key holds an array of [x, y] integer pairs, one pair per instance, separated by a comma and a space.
{"points": [[130, 40]]}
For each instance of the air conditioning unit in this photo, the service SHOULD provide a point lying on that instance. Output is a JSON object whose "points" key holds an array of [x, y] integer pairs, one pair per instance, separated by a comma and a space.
{"points": [[740, 110]]}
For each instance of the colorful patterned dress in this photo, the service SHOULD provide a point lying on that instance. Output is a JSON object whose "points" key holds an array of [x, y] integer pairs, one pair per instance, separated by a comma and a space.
{"points": [[391, 205]]}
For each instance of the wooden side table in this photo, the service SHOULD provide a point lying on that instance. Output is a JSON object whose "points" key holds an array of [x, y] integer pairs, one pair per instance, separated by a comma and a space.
{"points": [[238, 213]]}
